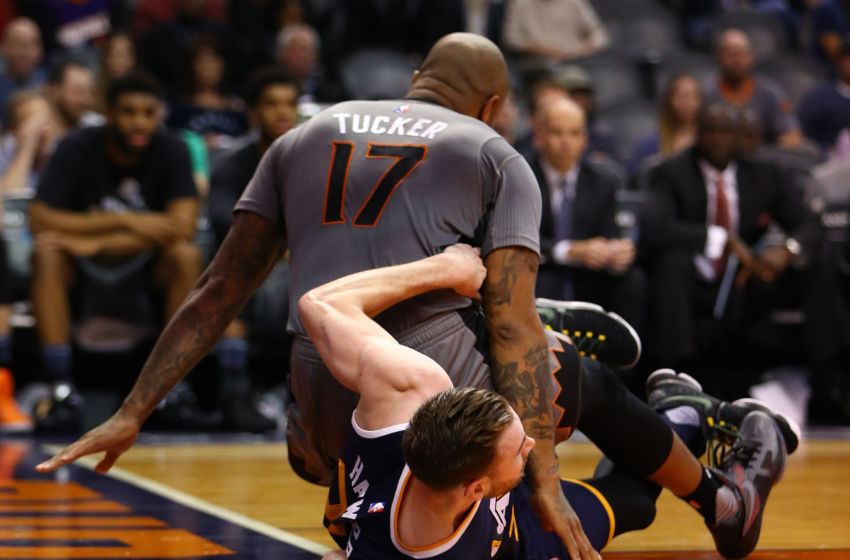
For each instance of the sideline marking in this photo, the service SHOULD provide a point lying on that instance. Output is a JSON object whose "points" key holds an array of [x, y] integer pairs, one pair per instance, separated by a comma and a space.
{"points": [[193, 502]]}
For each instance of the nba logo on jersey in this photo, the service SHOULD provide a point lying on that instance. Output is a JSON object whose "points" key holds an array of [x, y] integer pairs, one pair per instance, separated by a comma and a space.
{"points": [[403, 109], [376, 507]]}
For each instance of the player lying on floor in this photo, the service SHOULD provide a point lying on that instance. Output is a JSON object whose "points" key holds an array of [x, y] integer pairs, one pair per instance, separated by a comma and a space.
{"points": [[431, 471]]}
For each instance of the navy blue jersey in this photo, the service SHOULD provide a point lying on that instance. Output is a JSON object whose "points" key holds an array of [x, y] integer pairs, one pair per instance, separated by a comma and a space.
{"points": [[363, 504]]}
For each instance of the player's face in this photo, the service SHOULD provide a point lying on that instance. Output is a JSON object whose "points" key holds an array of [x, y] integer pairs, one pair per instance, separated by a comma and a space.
{"points": [[563, 137], [277, 110], [135, 116], [511, 455]]}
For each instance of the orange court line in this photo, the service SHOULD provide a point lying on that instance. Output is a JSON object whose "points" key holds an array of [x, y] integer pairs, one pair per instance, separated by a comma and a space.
{"points": [[11, 490], [155, 543], [97, 506], [97, 521]]}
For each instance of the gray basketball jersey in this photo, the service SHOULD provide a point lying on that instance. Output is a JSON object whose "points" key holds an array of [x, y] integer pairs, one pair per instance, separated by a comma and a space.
{"points": [[366, 184]]}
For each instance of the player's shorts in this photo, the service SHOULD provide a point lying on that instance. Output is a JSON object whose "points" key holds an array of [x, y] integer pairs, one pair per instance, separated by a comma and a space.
{"points": [[319, 414]]}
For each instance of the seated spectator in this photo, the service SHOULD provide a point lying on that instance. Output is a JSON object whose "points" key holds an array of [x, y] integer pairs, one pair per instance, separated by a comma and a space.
{"points": [[70, 88], [109, 194], [706, 205], [76, 27], [22, 53], [208, 110], [118, 58], [26, 145], [272, 106], [739, 87], [585, 256], [297, 52], [830, 28], [677, 121], [825, 110], [554, 30], [12, 419]]}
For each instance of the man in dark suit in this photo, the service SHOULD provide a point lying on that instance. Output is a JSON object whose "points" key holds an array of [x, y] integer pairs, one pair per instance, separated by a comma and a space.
{"points": [[584, 256], [705, 206]]}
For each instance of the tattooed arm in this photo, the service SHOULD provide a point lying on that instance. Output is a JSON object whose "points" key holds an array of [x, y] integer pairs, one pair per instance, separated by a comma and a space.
{"points": [[519, 361], [247, 255]]}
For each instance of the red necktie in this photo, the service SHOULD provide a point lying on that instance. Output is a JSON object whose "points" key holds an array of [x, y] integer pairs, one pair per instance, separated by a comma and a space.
{"points": [[722, 218]]}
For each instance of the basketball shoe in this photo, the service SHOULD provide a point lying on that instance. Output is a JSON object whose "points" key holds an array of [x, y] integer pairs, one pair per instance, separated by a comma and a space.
{"points": [[596, 333], [62, 413], [751, 468], [721, 420], [12, 419]]}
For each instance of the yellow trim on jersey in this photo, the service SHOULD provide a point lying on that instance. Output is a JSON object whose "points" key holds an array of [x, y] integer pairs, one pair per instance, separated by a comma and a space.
{"points": [[334, 511], [602, 501]]}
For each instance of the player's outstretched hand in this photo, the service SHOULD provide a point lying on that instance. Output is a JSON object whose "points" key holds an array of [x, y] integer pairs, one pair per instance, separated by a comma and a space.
{"points": [[469, 268], [115, 436], [557, 515]]}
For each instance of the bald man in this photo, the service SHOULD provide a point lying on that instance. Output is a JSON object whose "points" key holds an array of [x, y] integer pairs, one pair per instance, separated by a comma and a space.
{"points": [[367, 184], [739, 87], [586, 257], [22, 52]]}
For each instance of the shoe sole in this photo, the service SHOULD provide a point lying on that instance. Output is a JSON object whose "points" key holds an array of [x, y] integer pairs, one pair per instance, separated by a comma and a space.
{"points": [[787, 426], [585, 306]]}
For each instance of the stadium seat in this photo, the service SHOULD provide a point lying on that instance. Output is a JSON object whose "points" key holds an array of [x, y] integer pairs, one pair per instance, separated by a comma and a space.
{"points": [[629, 122], [698, 64], [796, 74], [615, 79], [829, 191], [766, 31], [610, 10], [647, 37], [376, 74]]}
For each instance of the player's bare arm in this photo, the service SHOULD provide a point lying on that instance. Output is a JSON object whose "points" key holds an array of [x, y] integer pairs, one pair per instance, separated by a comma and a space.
{"points": [[393, 380], [520, 367], [246, 257]]}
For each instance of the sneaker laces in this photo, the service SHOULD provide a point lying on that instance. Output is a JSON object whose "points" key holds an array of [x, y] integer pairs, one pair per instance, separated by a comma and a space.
{"points": [[741, 452], [721, 438]]}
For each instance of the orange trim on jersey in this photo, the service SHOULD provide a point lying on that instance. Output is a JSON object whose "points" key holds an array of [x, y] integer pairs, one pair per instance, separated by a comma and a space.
{"points": [[334, 511], [603, 501], [456, 533], [335, 145], [561, 434], [739, 96], [390, 168]]}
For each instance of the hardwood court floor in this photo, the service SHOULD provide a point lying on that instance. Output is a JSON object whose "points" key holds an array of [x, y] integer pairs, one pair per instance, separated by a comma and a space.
{"points": [[807, 517]]}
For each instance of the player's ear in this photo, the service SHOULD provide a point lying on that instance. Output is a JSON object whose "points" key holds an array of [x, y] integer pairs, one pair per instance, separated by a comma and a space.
{"points": [[490, 109], [476, 490]]}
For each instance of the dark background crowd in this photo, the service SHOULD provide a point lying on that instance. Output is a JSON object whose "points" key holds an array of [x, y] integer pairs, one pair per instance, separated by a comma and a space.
{"points": [[693, 158]]}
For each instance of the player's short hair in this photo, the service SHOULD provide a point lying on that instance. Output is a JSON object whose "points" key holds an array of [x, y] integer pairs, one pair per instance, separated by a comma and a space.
{"points": [[263, 78], [452, 437], [136, 81]]}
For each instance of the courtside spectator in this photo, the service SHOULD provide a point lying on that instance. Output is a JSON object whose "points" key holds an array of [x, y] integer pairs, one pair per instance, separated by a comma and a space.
{"points": [[585, 256], [297, 52], [825, 110], [117, 59], [677, 121], [108, 195], [272, 107], [738, 86], [22, 53], [28, 140], [830, 28], [70, 88]]}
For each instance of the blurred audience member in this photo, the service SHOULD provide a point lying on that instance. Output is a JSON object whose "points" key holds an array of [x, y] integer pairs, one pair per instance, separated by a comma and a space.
{"points": [[208, 109], [108, 194], [541, 92], [22, 53], [164, 48], [586, 257], [554, 30], [705, 206], [272, 104], [70, 88], [506, 121], [601, 144], [297, 52], [148, 13], [76, 27], [825, 110], [118, 58], [830, 28], [28, 141], [739, 87], [677, 121]]}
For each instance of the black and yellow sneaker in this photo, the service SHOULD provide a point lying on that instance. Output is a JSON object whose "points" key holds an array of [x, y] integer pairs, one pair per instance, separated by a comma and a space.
{"points": [[598, 334], [721, 420]]}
